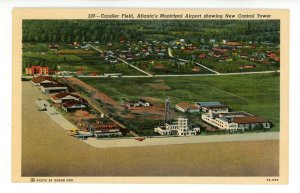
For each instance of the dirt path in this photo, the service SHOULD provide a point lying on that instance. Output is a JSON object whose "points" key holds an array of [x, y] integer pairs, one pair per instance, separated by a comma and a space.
{"points": [[97, 94]]}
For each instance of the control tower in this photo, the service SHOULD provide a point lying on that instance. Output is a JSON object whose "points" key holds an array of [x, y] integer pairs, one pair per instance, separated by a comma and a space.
{"points": [[167, 111]]}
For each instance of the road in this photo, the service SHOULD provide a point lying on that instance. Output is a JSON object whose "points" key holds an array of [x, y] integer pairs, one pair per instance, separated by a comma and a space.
{"points": [[55, 115], [165, 75], [207, 68], [154, 141], [211, 70], [142, 71]]}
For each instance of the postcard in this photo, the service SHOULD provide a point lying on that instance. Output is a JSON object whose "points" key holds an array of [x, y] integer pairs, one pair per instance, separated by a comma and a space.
{"points": [[150, 96]]}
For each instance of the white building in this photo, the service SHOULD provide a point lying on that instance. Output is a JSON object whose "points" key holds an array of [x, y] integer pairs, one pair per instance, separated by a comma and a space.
{"points": [[180, 128], [222, 123], [234, 121], [53, 87], [64, 96]]}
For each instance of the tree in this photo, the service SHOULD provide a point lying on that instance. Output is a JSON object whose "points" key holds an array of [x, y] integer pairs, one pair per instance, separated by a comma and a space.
{"points": [[258, 127]]}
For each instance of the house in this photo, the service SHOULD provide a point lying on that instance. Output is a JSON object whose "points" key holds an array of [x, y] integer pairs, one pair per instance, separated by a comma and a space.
{"points": [[139, 103], [53, 87], [108, 129], [113, 61], [40, 70], [196, 69], [53, 46], [212, 40], [72, 105], [64, 96], [214, 106], [247, 66], [181, 62], [37, 81], [142, 102], [187, 107], [233, 44], [180, 128]]}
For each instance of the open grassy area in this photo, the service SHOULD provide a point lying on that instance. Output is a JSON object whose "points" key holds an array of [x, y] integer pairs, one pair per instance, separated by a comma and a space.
{"points": [[169, 66], [257, 94], [233, 66]]}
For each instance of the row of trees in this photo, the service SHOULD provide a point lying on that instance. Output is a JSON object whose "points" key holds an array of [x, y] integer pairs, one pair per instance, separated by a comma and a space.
{"points": [[108, 30]]}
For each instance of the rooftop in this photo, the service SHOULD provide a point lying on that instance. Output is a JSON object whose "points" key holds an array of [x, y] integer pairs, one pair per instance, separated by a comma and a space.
{"points": [[55, 84], [206, 104], [248, 120], [235, 114], [40, 79], [64, 94], [71, 103], [186, 105]]}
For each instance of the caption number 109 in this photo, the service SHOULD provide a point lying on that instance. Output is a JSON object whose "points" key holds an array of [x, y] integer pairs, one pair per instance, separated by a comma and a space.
{"points": [[91, 15]]}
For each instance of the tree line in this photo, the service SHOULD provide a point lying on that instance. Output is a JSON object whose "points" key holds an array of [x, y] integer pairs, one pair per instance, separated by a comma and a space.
{"points": [[112, 30]]}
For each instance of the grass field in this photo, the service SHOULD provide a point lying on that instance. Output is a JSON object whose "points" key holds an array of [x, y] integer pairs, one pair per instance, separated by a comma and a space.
{"points": [[257, 94], [233, 66], [168, 66]]}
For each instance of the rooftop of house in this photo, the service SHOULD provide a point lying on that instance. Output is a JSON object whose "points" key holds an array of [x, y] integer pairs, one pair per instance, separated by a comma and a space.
{"points": [[233, 44], [142, 100], [40, 79]]}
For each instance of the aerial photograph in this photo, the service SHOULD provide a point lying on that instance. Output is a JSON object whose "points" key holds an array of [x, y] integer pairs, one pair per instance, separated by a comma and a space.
{"points": [[149, 98]]}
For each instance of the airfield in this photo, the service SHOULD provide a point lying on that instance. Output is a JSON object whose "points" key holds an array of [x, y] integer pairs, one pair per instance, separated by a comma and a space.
{"points": [[48, 151]]}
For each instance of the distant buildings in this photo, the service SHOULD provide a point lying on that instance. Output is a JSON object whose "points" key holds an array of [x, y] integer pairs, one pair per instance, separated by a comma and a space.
{"points": [[179, 128], [138, 103]]}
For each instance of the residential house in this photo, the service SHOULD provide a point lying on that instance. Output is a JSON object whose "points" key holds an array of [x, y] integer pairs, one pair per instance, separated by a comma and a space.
{"points": [[142, 102]]}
